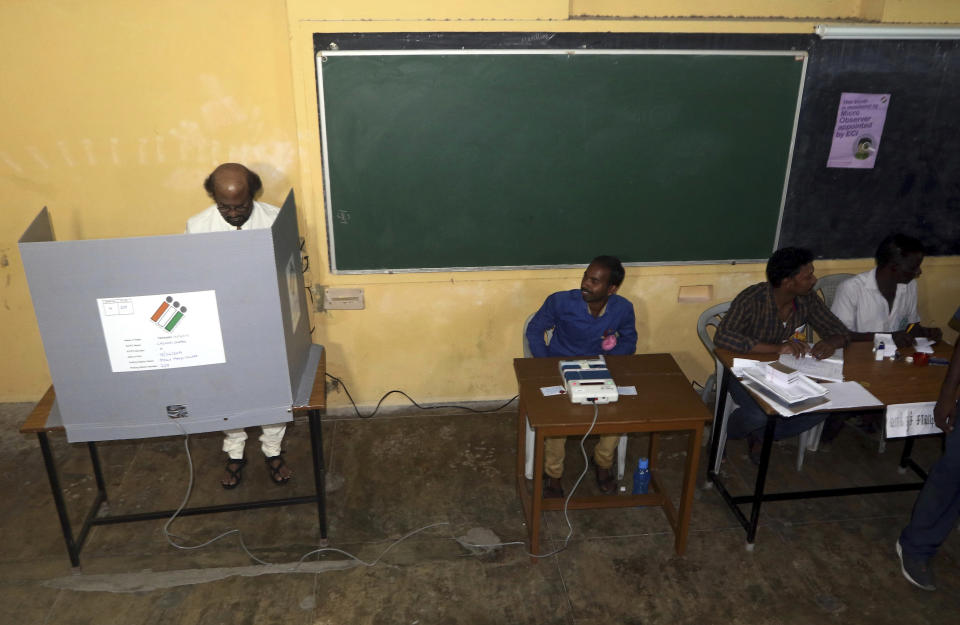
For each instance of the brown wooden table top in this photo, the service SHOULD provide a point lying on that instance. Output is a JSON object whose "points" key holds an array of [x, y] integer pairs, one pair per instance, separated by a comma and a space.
{"points": [[663, 393], [890, 381]]}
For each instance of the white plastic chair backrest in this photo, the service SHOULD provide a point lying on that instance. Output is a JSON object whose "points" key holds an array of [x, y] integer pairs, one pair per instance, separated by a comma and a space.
{"points": [[710, 317], [827, 286], [526, 343]]}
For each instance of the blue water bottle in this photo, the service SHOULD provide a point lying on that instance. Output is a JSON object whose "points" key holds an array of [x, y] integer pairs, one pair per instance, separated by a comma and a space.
{"points": [[641, 477]]}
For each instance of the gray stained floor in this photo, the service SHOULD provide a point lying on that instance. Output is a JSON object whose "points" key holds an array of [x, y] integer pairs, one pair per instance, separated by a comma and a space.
{"points": [[816, 561]]}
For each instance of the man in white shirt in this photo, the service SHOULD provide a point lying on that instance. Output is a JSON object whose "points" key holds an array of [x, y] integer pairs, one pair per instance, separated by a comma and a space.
{"points": [[884, 299], [233, 188]]}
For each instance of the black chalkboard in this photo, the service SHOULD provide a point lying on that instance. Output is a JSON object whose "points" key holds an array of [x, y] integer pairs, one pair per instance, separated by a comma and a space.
{"points": [[539, 158], [837, 213], [915, 185]]}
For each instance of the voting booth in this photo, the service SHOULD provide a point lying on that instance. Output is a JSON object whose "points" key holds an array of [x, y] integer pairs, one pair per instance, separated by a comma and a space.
{"points": [[154, 336]]}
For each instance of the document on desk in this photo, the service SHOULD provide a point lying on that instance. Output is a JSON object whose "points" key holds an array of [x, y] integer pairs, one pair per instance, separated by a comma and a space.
{"points": [[840, 396], [830, 369], [923, 345]]}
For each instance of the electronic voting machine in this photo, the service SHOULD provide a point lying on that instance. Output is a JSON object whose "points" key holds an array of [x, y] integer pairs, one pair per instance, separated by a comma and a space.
{"points": [[588, 381]]}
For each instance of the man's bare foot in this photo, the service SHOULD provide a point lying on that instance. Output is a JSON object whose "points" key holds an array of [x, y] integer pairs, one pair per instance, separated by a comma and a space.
{"points": [[233, 475], [280, 473]]}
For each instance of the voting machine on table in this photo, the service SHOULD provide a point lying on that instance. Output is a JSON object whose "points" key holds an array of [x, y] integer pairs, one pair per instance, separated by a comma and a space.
{"points": [[151, 336]]}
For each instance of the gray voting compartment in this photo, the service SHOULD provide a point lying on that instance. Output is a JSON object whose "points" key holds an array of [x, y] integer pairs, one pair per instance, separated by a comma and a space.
{"points": [[129, 359]]}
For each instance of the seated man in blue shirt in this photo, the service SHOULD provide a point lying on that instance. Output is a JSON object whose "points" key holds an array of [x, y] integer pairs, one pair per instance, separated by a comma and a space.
{"points": [[587, 321]]}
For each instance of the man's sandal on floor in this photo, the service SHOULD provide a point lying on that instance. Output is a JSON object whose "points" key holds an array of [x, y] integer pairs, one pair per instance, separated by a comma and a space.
{"points": [[275, 463], [234, 468]]}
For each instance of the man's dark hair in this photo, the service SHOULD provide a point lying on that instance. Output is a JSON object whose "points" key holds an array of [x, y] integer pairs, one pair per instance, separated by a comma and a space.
{"points": [[895, 248], [785, 263], [254, 184], [613, 264]]}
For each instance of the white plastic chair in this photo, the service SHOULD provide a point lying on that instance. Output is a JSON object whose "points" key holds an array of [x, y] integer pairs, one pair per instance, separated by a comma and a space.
{"points": [[529, 441], [711, 317]]}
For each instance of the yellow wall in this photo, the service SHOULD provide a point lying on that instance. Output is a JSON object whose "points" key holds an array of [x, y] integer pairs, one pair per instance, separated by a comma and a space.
{"points": [[114, 111]]}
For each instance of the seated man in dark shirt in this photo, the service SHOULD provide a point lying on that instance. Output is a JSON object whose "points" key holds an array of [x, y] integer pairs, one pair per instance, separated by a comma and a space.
{"points": [[587, 321], [771, 317]]}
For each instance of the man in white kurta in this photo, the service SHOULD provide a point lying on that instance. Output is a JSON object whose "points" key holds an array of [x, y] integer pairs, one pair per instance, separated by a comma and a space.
{"points": [[861, 306], [233, 187], [884, 299]]}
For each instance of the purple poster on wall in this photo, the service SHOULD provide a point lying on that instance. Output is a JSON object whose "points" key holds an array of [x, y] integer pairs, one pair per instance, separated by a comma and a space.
{"points": [[856, 135]]}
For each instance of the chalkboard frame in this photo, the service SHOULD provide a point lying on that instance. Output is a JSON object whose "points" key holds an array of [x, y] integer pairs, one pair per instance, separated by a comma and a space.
{"points": [[837, 214]]}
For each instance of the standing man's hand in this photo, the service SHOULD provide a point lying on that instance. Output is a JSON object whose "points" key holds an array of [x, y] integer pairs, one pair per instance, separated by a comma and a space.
{"points": [[945, 415]]}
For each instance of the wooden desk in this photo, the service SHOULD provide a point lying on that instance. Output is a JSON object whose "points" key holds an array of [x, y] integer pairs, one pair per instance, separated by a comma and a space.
{"points": [[892, 382], [665, 402], [37, 423]]}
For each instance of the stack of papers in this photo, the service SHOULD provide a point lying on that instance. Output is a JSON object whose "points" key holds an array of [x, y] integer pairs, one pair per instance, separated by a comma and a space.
{"points": [[800, 390], [830, 368], [923, 345]]}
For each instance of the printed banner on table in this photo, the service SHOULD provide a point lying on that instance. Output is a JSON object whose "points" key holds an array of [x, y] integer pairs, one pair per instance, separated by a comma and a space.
{"points": [[164, 331], [856, 135], [911, 419]]}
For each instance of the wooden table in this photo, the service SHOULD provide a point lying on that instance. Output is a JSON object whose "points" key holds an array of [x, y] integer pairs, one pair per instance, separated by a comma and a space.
{"points": [[892, 382], [37, 423], [665, 402]]}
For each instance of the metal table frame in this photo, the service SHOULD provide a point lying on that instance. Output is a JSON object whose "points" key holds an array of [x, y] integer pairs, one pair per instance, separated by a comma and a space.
{"points": [[759, 496], [37, 423]]}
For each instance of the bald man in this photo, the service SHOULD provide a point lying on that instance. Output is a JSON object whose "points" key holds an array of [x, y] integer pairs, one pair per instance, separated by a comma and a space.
{"points": [[233, 187]]}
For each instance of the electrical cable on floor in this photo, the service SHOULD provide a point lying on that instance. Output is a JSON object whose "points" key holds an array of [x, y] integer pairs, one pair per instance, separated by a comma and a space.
{"points": [[186, 446], [566, 503], [170, 536], [412, 401]]}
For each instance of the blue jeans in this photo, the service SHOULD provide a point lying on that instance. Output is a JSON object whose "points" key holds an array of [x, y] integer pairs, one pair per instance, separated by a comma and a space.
{"points": [[937, 508], [750, 419]]}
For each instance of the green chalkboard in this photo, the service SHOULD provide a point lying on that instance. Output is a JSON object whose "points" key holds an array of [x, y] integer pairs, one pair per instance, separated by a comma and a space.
{"points": [[465, 160]]}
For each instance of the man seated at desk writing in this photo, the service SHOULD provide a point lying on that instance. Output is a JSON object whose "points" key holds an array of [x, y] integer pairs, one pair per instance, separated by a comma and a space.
{"points": [[586, 322], [771, 317]]}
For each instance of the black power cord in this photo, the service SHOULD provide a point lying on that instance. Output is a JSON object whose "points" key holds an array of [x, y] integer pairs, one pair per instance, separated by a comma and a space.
{"points": [[412, 401]]}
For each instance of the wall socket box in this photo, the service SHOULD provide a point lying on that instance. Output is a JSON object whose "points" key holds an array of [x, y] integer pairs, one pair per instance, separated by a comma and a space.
{"points": [[342, 299]]}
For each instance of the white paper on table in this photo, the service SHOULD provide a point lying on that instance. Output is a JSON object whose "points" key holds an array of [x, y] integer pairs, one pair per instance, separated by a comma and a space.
{"points": [[911, 419], [627, 390], [830, 368], [840, 396], [739, 364], [889, 347], [810, 405], [850, 395], [923, 345], [550, 391]]}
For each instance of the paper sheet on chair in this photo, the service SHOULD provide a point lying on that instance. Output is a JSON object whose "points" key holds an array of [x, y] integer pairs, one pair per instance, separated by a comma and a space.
{"points": [[911, 419], [842, 395]]}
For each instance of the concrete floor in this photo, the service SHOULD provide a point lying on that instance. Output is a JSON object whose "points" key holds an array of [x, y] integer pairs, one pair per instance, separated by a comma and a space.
{"points": [[816, 561]]}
